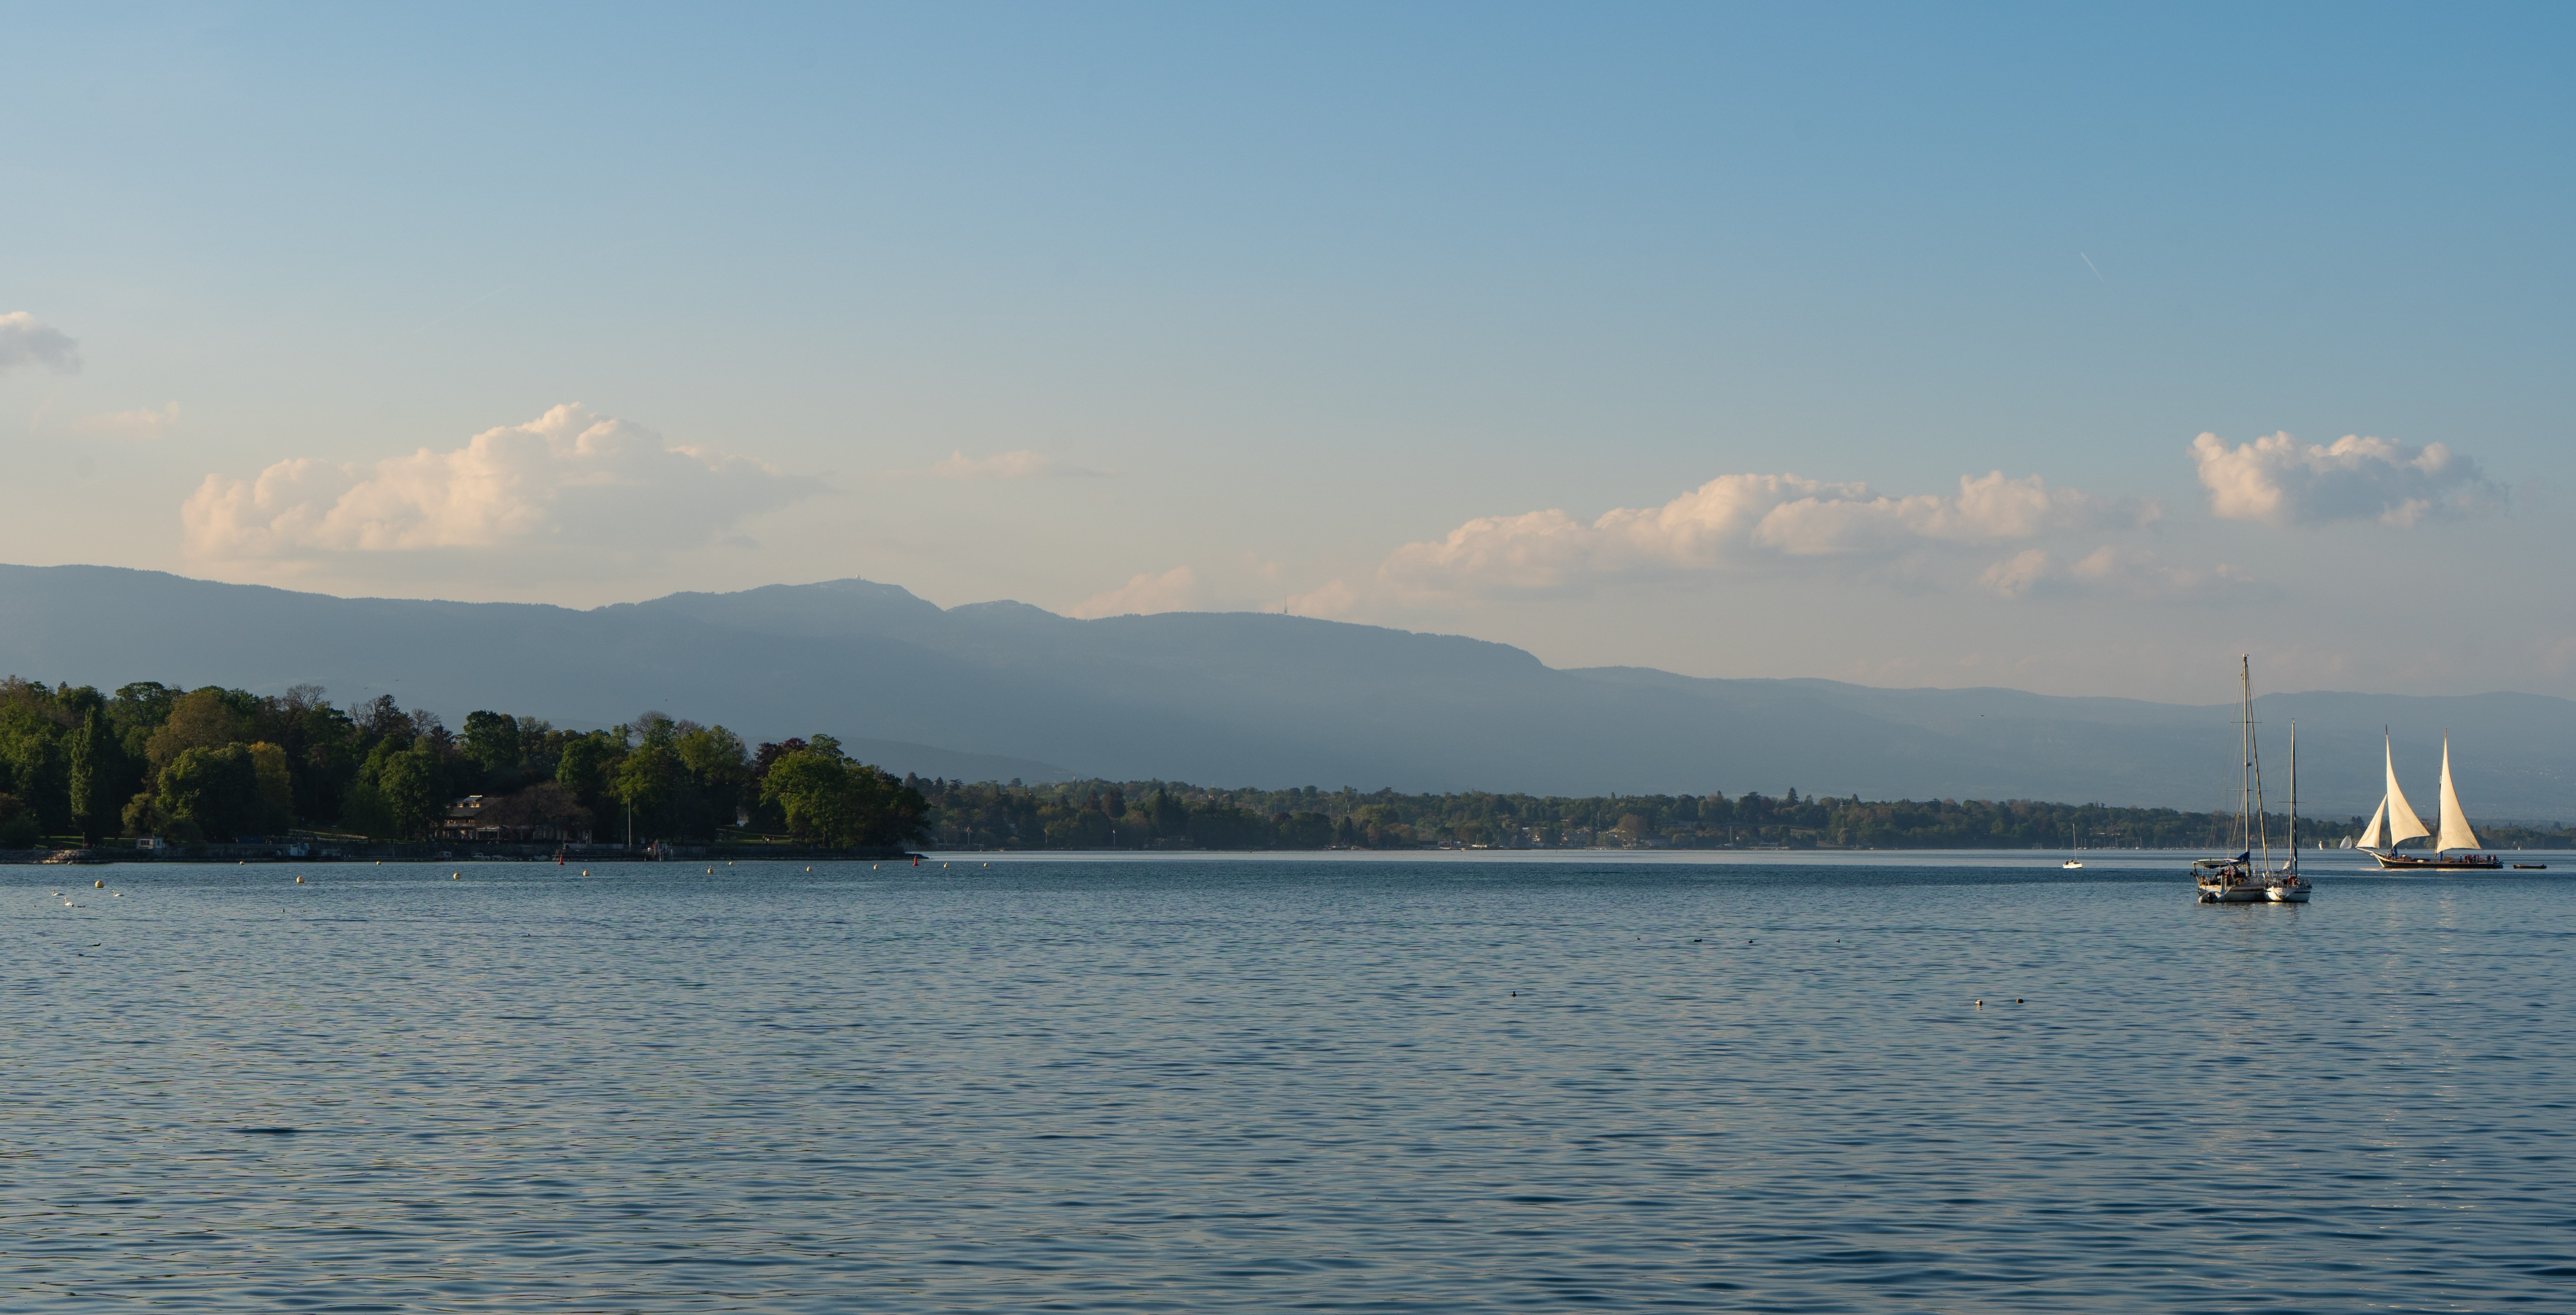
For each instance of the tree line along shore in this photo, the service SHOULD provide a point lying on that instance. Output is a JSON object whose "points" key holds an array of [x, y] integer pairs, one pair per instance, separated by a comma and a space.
{"points": [[191, 767], [217, 765]]}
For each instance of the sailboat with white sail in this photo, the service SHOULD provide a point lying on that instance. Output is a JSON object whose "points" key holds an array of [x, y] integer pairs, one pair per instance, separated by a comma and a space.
{"points": [[2395, 823], [2250, 877]]}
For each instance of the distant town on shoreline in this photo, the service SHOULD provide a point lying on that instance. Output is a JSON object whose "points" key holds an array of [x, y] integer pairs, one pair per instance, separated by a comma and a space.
{"points": [[153, 763]]}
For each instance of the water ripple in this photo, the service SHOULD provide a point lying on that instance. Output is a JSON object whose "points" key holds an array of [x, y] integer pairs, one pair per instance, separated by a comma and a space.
{"points": [[1327, 1086]]}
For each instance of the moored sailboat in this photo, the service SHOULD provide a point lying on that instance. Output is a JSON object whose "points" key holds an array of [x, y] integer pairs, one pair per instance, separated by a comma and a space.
{"points": [[2250, 878], [2288, 887]]}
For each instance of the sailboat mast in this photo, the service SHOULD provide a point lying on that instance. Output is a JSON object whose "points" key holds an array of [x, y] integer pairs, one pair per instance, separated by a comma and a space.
{"points": [[2294, 796], [2254, 767]]}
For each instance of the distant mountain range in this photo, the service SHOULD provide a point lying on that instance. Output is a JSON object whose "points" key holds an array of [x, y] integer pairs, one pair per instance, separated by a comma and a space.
{"points": [[1002, 690]]}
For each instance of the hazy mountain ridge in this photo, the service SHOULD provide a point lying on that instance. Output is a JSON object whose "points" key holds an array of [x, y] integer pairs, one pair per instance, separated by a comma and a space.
{"points": [[1251, 699]]}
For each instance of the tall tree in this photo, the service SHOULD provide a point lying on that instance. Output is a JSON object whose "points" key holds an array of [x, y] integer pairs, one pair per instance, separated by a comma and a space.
{"points": [[97, 769], [209, 794], [492, 741]]}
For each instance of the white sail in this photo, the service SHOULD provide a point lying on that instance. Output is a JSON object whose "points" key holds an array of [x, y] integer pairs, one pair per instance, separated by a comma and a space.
{"points": [[2402, 822], [2370, 834], [2455, 823]]}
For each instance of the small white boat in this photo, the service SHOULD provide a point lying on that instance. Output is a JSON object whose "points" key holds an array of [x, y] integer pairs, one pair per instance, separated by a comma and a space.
{"points": [[2075, 846]]}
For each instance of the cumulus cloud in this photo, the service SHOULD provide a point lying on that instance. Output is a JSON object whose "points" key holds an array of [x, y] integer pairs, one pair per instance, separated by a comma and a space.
{"points": [[1334, 600], [1175, 590], [1009, 465], [2281, 481], [2128, 572], [24, 340], [1737, 521], [143, 422], [568, 480]]}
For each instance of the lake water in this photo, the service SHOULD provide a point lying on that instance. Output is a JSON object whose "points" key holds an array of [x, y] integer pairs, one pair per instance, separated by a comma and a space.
{"points": [[1341, 1084]]}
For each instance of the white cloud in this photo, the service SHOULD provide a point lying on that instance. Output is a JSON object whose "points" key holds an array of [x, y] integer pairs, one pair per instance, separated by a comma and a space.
{"points": [[26, 341], [567, 481], [1175, 590], [143, 422], [2127, 572], [2282, 481], [1009, 465], [1334, 600], [1736, 521]]}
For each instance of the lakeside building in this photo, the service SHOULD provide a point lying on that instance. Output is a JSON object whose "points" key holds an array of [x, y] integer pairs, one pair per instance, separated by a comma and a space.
{"points": [[491, 821]]}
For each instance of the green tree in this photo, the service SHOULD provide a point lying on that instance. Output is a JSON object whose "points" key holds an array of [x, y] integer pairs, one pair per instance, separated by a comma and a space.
{"points": [[207, 718], [832, 801], [137, 711], [645, 782], [18, 828], [583, 767], [492, 741], [96, 768], [276, 788], [719, 771], [399, 792], [214, 792], [33, 763], [413, 788]]}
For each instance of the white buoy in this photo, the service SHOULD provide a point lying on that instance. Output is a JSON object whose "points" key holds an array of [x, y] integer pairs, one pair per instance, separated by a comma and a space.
{"points": [[98, 885], [299, 881]]}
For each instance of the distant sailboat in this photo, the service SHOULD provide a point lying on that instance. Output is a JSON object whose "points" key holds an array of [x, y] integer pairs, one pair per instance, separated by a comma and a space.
{"points": [[2455, 834], [2075, 849]]}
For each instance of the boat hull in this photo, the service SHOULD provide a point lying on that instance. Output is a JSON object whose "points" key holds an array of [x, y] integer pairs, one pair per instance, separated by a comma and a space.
{"points": [[2437, 863]]}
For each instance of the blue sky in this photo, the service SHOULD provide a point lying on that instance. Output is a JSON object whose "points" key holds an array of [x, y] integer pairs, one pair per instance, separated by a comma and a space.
{"points": [[1314, 307]]}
